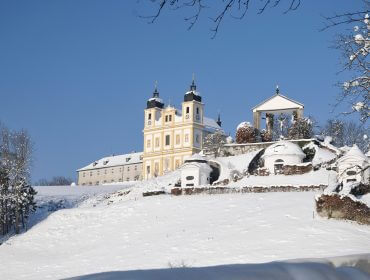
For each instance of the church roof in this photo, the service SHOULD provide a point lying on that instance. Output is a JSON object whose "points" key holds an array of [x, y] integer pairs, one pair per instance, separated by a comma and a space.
{"points": [[211, 124], [278, 102], [112, 161]]}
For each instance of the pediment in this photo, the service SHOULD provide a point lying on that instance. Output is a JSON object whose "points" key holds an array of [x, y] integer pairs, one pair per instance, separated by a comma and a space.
{"points": [[278, 102]]}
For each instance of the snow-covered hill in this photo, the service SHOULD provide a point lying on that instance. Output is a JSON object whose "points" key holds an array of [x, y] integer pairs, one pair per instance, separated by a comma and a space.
{"points": [[127, 232]]}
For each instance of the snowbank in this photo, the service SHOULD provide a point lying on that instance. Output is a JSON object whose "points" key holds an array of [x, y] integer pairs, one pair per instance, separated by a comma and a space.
{"points": [[319, 269], [163, 231]]}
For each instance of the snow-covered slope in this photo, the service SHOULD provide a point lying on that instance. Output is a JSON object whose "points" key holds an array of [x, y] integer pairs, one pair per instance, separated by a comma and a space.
{"points": [[128, 232]]}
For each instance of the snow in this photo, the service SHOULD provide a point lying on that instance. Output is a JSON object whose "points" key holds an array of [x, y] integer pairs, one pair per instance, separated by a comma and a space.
{"points": [[313, 178], [131, 232], [116, 160], [318, 269], [156, 99], [239, 163], [284, 148], [211, 124], [354, 152], [243, 124], [322, 155]]}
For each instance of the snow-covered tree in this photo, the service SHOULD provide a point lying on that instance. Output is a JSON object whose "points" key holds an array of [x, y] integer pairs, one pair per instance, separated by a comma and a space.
{"points": [[355, 47], [16, 195], [213, 142], [347, 133], [246, 133], [302, 128]]}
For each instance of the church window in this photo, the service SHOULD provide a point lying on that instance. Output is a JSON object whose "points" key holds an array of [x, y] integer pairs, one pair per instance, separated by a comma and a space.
{"points": [[157, 142], [167, 140], [128, 168], [177, 164], [149, 116], [167, 164], [166, 119], [351, 173], [148, 143], [197, 138], [187, 110], [98, 172], [148, 170], [105, 171], [112, 170], [177, 139], [186, 138], [90, 173], [83, 174], [169, 118], [135, 167], [127, 179], [197, 110]]}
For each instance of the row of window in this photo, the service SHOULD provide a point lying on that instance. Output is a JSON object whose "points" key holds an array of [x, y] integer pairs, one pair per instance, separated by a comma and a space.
{"points": [[166, 166], [105, 181], [168, 118], [168, 140], [106, 171]]}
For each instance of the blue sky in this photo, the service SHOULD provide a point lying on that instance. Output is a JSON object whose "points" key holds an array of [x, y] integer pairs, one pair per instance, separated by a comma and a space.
{"points": [[77, 73]]}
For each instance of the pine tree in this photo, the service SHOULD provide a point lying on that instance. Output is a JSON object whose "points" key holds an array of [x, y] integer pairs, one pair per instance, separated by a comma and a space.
{"points": [[16, 195]]}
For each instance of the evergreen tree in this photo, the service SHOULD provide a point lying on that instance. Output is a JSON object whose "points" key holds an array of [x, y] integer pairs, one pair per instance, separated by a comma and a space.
{"points": [[16, 195]]}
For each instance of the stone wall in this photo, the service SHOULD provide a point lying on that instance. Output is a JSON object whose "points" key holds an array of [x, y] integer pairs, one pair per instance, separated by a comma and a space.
{"points": [[297, 169], [256, 189], [238, 149], [337, 207]]}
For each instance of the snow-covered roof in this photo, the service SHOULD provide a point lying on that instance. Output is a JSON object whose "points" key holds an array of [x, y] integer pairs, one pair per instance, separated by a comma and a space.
{"points": [[203, 167], [211, 124], [354, 152], [284, 148], [193, 91], [368, 153], [278, 102], [156, 99], [111, 161]]}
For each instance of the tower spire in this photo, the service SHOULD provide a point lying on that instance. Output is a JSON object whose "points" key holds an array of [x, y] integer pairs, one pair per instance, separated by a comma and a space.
{"points": [[277, 89], [155, 93], [219, 122], [193, 87]]}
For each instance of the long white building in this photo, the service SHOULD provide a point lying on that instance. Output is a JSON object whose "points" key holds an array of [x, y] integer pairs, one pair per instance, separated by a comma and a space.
{"points": [[112, 169]]}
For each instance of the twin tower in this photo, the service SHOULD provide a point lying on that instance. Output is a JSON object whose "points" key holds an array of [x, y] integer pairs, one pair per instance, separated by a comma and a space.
{"points": [[172, 135]]}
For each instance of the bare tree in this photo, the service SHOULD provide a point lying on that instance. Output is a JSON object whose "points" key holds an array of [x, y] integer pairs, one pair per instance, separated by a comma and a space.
{"points": [[237, 9], [213, 142], [347, 133], [354, 46]]}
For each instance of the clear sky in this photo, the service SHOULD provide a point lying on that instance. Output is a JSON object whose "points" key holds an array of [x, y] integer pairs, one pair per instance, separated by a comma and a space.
{"points": [[77, 73]]}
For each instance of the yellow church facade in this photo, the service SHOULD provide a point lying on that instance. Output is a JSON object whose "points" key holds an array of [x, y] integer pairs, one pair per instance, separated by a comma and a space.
{"points": [[172, 135]]}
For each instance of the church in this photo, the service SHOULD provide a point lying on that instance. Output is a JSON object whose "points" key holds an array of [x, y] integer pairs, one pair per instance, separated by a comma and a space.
{"points": [[171, 135]]}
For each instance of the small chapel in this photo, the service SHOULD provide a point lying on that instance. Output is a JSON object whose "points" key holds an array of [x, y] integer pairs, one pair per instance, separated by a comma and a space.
{"points": [[274, 106]]}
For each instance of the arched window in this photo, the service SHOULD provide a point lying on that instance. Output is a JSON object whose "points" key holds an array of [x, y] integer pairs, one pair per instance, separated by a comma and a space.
{"points": [[278, 166]]}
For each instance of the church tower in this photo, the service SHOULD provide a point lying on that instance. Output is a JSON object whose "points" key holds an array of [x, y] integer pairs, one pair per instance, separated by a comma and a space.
{"points": [[192, 107], [171, 135]]}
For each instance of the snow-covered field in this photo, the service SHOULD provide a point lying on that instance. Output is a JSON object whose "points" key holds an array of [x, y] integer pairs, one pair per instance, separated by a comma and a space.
{"points": [[120, 233]]}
